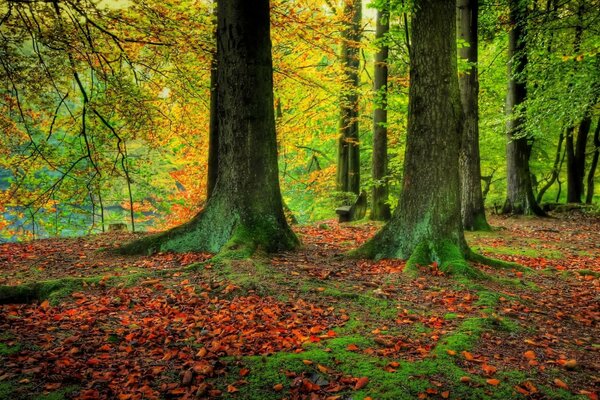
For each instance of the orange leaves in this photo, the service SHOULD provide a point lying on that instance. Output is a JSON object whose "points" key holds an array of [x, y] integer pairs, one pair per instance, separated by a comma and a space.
{"points": [[468, 356], [530, 355], [352, 347], [493, 382], [361, 383], [560, 384]]}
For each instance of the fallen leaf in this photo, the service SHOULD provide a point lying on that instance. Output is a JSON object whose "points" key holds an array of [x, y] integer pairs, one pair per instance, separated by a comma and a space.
{"points": [[560, 384], [361, 383]]}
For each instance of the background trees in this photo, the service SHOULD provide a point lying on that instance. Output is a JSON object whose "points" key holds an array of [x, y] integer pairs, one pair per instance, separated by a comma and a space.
{"points": [[145, 70]]}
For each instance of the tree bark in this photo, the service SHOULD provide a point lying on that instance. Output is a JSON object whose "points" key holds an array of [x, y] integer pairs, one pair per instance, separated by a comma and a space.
{"points": [[380, 209], [576, 160], [213, 129], [590, 178], [520, 198], [472, 206], [348, 168], [426, 226], [245, 208]]}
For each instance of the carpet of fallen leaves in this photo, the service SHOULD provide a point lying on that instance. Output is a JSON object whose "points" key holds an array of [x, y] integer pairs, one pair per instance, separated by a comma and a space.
{"points": [[177, 336]]}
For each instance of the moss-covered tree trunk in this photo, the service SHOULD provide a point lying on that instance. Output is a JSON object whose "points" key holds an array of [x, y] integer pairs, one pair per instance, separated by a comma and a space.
{"points": [[348, 165], [245, 208], [426, 226], [380, 210], [472, 207], [519, 198]]}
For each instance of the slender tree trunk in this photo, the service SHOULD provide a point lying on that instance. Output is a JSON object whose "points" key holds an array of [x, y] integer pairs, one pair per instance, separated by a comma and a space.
{"points": [[555, 169], [245, 209], [576, 160], [472, 207], [593, 165], [348, 168], [576, 146], [213, 129], [520, 198], [426, 226], [381, 208]]}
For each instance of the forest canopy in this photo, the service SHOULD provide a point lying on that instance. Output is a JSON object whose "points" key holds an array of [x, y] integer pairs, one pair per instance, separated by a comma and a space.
{"points": [[106, 107]]}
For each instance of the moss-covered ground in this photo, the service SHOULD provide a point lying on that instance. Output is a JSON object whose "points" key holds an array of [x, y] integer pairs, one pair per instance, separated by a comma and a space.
{"points": [[308, 324]]}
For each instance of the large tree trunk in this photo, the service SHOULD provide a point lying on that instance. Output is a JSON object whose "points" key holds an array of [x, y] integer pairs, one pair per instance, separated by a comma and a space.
{"points": [[576, 160], [380, 209], [426, 226], [472, 207], [520, 198], [348, 168], [213, 129], [245, 208], [594, 164]]}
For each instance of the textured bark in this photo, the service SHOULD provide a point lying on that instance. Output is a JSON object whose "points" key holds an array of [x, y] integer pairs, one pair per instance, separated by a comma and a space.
{"points": [[348, 166], [555, 169], [576, 160], [472, 206], [426, 226], [576, 146], [380, 209], [520, 198], [213, 132], [593, 165], [245, 208]]}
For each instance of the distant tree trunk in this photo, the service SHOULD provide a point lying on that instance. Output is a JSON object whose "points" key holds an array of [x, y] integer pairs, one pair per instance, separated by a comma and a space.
{"points": [[348, 166], [520, 198], [555, 169], [426, 226], [576, 160], [380, 209], [576, 147], [245, 209], [594, 164], [472, 207], [213, 128]]}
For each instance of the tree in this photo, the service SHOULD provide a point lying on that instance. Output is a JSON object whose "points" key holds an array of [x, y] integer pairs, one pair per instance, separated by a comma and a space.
{"points": [[426, 225], [381, 208], [348, 169], [472, 206], [245, 207], [520, 198], [594, 164]]}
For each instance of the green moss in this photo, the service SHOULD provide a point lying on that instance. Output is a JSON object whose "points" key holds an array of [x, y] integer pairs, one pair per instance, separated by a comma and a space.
{"points": [[6, 350], [6, 389], [524, 251], [450, 316], [61, 394], [587, 272]]}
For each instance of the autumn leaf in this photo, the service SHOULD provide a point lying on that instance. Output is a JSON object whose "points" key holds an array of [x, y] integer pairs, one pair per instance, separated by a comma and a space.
{"points": [[560, 384], [352, 347], [493, 382], [530, 355], [361, 383], [278, 387]]}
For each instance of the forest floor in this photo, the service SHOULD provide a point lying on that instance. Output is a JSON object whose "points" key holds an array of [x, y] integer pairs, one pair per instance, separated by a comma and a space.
{"points": [[310, 324]]}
